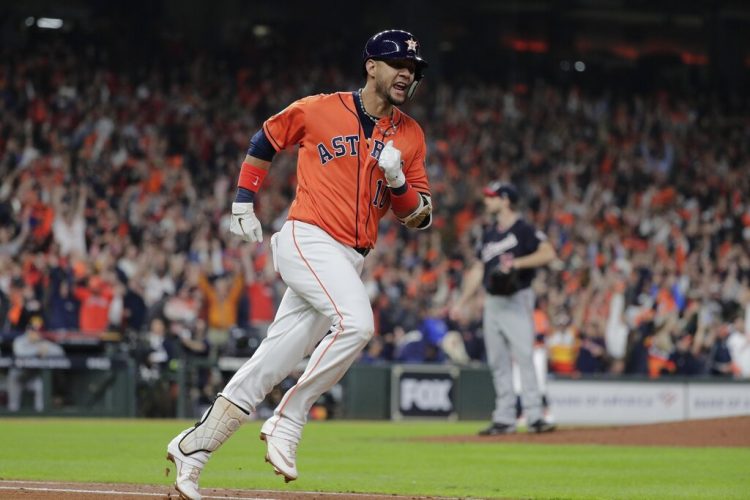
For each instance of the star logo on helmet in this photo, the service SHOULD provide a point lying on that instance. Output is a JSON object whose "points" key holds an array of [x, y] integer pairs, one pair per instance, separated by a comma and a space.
{"points": [[411, 44]]}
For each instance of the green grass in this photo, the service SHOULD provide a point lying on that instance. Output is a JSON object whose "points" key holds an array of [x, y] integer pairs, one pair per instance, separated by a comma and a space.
{"points": [[376, 457]]}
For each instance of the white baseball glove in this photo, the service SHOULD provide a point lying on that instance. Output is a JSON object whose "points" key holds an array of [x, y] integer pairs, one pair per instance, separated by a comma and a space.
{"points": [[244, 223], [390, 163]]}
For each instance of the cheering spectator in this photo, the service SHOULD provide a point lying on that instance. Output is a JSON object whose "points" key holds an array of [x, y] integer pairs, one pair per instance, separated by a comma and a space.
{"points": [[95, 298], [63, 307], [222, 298], [69, 226]]}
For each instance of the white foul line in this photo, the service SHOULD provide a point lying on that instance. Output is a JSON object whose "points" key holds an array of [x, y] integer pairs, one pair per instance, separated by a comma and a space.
{"points": [[111, 492]]}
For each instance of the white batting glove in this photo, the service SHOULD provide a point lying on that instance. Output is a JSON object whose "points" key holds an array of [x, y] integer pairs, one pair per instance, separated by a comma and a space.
{"points": [[244, 223], [390, 163]]}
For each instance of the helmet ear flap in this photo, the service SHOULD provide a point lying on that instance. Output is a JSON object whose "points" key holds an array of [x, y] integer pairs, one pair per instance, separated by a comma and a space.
{"points": [[412, 89]]}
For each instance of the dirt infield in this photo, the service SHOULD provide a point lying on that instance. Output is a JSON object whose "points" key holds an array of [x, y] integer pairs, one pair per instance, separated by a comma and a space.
{"points": [[727, 432], [721, 432]]}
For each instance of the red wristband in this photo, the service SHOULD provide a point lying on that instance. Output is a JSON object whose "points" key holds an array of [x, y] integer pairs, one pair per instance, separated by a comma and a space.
{"points": [[251, 177], [404, 204]]}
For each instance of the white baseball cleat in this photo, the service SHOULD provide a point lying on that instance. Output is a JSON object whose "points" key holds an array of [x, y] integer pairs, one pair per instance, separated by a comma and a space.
{"points": [[191, 449], [282, 455], [186, 474]]}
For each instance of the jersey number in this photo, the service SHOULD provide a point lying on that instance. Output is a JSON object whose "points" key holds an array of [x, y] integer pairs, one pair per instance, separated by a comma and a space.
{"points": [[380, 192]]}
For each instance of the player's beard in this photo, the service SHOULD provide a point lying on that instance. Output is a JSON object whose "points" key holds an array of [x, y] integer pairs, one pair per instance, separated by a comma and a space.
{"points": [[384, 90]]}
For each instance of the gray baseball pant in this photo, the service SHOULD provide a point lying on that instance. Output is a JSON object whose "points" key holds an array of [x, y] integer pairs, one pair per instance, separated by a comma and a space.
{"points": [[509, 334]]}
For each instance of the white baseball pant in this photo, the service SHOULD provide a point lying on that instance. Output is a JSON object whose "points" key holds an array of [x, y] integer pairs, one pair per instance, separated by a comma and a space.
{"points": [[325, 292]]}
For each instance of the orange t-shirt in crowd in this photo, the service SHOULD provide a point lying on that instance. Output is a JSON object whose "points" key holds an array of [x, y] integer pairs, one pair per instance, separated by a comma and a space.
{"points": [[339, 185], [93, 316], [222, 314]]}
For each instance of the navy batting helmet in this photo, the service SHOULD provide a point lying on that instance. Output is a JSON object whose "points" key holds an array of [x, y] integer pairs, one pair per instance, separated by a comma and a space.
{"points": [[396, 44]]}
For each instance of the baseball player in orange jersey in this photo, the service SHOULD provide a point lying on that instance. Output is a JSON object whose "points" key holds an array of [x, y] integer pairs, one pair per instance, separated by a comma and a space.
{"points": [[359, 155]]}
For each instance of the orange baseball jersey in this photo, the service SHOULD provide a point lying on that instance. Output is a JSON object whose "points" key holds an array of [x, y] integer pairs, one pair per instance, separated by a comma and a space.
{"points": [[340, 187]]}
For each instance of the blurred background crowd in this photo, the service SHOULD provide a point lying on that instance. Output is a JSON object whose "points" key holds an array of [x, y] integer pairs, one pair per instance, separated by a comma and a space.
{"points": [[116, 179]]}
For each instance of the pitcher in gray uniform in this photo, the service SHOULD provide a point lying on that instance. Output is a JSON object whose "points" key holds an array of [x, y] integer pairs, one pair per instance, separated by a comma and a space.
{"points": [[507, 255]]}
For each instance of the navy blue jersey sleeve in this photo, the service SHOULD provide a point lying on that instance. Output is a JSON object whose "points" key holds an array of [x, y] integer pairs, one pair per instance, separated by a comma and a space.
{"points": [[530, 238]]}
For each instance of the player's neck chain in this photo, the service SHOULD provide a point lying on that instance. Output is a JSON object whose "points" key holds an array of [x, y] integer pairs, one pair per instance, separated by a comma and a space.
{"points": [[389, 131], [374, 119]]}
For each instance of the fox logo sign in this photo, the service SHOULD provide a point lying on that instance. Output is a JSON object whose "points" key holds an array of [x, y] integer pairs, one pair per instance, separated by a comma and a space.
{"points": [[426, 394]]}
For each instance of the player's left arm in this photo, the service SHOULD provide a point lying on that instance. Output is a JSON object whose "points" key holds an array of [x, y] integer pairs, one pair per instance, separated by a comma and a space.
{"points": [[543, 255]]}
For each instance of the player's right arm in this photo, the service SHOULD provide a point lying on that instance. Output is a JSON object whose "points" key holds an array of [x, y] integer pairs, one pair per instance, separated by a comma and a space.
{"points": [[279, 131], [244, 222]]}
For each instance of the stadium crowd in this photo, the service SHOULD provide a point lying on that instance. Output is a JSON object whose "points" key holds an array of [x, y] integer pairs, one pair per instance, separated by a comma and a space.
{"points": [[116, 186]]}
